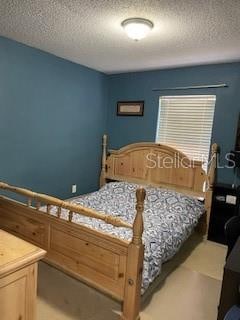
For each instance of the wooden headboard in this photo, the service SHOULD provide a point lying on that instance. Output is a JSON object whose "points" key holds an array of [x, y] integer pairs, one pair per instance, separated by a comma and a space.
{"points": [[159, 165], [154, 164]]}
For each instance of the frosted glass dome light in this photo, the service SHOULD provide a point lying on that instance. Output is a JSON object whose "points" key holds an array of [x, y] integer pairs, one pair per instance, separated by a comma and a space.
{"points": [[137, 28]]}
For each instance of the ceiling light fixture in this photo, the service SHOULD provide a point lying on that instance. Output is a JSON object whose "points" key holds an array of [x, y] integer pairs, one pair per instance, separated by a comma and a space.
{"points": [[137, 28]]}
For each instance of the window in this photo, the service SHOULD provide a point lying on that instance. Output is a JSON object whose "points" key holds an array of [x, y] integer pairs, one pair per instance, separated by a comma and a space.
{"points": [[185, 123]]}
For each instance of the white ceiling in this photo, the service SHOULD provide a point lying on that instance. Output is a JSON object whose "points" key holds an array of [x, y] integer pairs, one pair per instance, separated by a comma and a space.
{"points": [[186, 32]]}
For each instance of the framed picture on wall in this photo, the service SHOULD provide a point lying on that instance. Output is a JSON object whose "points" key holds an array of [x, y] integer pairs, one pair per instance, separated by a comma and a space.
{"points": [[130, 108]]}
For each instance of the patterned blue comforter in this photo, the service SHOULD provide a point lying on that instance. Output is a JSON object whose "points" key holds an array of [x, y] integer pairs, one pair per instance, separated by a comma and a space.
{"points": [[169, 219]]}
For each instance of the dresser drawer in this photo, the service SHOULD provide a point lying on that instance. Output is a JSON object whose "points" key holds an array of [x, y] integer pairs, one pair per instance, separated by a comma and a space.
{"points": [[28, 228]]}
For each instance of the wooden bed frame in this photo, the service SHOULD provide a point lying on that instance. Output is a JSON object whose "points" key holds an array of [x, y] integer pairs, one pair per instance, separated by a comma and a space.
{"points": [[112, 265]]}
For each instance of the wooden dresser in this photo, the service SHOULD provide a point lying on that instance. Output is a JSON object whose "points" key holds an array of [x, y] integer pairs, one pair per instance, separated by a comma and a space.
{"points": [[18, 277]]}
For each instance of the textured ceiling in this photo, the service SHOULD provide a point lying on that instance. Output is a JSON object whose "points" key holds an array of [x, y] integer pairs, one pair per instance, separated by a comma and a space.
{"points": [[186, 32]]}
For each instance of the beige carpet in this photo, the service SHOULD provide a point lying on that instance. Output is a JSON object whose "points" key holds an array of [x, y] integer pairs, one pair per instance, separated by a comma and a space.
{"points": [[190, 292]]}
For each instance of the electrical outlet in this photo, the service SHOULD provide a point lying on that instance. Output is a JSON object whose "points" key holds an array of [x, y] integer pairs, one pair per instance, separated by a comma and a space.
{"points": [[231, 199], [74, 188]]}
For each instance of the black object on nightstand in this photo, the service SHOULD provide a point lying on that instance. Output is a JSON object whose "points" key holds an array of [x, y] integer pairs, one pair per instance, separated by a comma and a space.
{"points": [[225, 205]]}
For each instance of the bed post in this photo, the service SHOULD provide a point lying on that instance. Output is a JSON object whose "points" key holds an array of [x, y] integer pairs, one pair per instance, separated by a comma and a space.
{"points": [[210, 181], [104, 158], [132, 293]]}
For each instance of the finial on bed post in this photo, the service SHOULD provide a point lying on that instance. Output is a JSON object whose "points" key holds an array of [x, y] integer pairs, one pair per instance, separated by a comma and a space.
{"points": [[212, 167], [104, 159], [211, 176], [138, 222]]}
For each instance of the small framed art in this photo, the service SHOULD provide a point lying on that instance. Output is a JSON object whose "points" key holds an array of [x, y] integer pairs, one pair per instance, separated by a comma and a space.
{"points": [[130, 108]]}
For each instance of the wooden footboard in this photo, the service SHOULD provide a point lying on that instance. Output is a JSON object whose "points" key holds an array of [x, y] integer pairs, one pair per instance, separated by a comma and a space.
{"points": [[112, 265]]}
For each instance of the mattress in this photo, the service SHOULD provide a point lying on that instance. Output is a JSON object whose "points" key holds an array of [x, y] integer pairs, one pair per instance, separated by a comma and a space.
{"points": [[169, 219]]}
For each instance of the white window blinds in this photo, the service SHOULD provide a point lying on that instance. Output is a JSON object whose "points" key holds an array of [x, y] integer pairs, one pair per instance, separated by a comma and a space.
{"points": [[185, 122]]}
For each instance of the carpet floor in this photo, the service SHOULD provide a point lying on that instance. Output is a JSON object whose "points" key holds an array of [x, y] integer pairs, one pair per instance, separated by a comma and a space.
{"points": [[190, 291]]}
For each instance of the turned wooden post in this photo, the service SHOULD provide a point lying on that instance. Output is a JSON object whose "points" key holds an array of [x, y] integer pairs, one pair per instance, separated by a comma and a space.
{"points": [[38, 205], [49, 208], [104, 159], [59, 211], [29, 202], [211, 176], [70, 216], [132, 294]]}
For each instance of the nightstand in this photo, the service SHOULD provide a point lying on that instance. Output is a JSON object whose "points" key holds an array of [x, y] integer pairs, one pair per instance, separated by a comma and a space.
{"points": [[225, 205]]}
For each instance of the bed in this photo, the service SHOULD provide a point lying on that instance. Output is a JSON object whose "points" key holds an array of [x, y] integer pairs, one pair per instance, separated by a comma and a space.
{"points": [[99, 238]]}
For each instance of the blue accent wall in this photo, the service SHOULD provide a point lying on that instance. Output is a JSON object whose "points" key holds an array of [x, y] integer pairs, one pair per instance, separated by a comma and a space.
{"points": [[53, 113], [52, 117], [139, 85]]}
